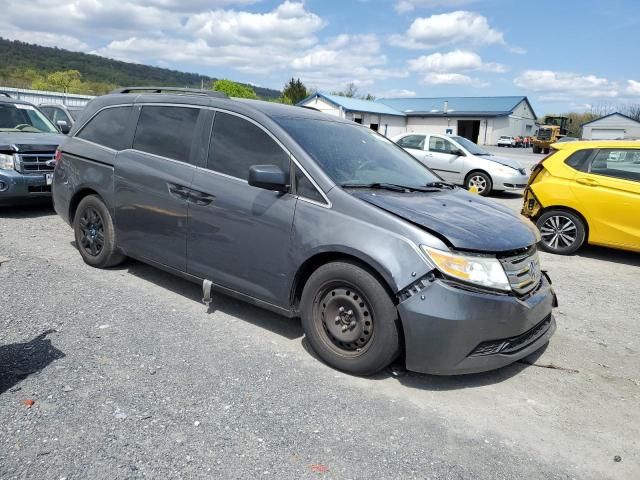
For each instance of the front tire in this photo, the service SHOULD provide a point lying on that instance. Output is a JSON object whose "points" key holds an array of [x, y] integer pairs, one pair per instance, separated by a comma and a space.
{"points": [[536, 149], [349, 319], [562, 232], [480, 180], [94, 233]]}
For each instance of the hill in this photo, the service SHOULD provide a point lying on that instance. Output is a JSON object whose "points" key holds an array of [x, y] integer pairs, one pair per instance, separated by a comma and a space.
{"points": [[18, 58]]}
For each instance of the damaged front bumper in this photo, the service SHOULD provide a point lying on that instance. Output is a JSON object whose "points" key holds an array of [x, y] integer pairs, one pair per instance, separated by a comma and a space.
{"points": [[450, 329]]}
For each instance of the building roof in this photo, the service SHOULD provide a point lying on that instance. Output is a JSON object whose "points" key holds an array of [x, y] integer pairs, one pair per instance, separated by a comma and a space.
{"points": [[611, 115], [456, 106], [351, 104]]}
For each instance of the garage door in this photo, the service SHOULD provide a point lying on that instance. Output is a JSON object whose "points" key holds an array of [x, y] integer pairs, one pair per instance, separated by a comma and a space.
{"points": [[607, 133]]}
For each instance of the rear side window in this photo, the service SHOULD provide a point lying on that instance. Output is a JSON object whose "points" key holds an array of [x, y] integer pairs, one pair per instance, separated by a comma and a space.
{"points": [[108, 128], [578, 160], [166, 131], [237, 144], [412, 141]]}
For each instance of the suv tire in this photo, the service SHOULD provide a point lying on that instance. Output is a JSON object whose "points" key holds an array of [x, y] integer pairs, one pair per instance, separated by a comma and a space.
{"points": [[95, 235], [562, 232], [349, 319]]}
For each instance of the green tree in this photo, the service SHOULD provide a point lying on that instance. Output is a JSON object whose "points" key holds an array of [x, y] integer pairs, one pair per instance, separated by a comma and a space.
{"points": [[294, 91], [65, 81], [234, 89]]}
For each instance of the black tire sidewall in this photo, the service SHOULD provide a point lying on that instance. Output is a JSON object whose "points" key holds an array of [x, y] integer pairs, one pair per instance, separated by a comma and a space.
{"points": [[581, 232], [384, 345], [109, 256], [487, 191]]}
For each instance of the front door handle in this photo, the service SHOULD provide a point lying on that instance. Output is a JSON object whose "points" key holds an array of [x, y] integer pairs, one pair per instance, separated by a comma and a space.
{"points": [[200, 198], [587, 181], [179, 191]]}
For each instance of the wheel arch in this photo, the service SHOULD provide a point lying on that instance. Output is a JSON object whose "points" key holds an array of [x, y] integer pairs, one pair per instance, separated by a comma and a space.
{"points": [[477, 170], [77, 198], [319, 259]]}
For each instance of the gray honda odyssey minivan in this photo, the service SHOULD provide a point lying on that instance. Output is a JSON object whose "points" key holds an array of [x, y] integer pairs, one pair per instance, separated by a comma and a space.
{"points": [[309, 216]]}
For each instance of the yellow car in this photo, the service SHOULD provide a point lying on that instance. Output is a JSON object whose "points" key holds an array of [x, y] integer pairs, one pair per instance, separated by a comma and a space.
{"points": [[586, 192]]}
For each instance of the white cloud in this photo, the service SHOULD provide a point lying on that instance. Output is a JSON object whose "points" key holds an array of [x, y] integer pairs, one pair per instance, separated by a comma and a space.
{"points": [[555, 86], [404, 6], [457, 60], [633, 88], [447, 29], [447, 79], [396, 93]]}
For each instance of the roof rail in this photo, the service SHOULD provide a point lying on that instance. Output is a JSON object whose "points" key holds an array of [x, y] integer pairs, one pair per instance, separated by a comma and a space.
{"points": [[177, 90], [5, 94]]}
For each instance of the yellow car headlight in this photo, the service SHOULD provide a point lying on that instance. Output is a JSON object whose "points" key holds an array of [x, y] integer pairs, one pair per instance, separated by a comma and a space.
{"points": [[476, 269]]}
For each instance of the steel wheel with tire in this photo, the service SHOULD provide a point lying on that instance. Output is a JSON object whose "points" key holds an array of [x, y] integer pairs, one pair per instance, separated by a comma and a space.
{"points": [[562, 232], [94, 233], [481, 181], [349, 319]]}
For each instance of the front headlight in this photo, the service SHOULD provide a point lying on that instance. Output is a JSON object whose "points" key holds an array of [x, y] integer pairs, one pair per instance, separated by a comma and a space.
{"points": [[504, 170], [6, 162], [480, 270]]}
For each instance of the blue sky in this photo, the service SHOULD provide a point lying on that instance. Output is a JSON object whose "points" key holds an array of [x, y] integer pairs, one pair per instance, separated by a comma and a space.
{"points": [[565, 55]]}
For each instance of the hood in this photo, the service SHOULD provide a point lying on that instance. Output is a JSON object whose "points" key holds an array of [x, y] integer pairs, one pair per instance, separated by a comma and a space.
{"points": [[509, 162], [25, 142], [463, 220]]}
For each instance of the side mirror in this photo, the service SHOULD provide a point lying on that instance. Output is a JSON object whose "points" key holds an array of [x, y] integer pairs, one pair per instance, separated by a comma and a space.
{"points": [[269, 177], [63, 126], [458, 152]]}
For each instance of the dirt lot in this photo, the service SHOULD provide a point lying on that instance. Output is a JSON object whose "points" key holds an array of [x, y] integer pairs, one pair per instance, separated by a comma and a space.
{"points": [[131, 377]]}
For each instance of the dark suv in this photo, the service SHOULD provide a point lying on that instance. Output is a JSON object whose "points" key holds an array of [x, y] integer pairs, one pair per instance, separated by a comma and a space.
{"points": [[28, 141], [310, 216]]}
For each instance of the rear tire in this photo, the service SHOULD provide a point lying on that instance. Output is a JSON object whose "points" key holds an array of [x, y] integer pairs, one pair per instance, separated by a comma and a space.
{"points": [[349, 319], [94, 233], [545, 151], [536, 149], [481, 180], [563, 233]]}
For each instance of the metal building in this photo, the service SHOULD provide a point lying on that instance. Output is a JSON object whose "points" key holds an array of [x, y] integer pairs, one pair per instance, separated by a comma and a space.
{"points": [[614, 126], [40, 96]]}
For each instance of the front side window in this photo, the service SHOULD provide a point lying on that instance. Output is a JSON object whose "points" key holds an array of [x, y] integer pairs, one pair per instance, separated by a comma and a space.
{"points": [[59, 115], [624, 164], [108, 128], [355, 155], [20, 117], [237, 144], [412, 141], [441, 145], [166, 131]]}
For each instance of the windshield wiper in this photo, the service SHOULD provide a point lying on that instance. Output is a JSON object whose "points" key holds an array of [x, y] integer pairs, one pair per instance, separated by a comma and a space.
{"points": [[440, 184], [386, 186]]}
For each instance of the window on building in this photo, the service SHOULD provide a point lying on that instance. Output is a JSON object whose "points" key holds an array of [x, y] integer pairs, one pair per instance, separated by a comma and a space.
{"points": [[374, 127]]}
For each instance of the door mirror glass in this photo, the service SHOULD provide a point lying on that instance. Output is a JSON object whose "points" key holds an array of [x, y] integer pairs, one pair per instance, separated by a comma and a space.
{"points": [[458, 152], [63, 126], [269, 177]]}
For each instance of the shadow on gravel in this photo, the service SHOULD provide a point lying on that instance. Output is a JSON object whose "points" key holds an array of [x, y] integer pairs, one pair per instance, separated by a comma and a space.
{"points": [[610, 255], [19, 360], [286, 327], [458, 382], [35, 210]]}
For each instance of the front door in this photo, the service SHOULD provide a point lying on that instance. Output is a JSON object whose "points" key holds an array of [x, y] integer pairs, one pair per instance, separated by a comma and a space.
{"points": [[152, 183], [239, 235], [610, 193], [442, 161]]}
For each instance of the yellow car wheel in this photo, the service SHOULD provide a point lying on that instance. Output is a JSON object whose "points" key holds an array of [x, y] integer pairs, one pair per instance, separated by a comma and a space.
{"points": [[562, 232]]}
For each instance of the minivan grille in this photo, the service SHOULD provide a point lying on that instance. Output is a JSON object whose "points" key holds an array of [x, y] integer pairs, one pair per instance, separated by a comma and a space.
{"points": [[523, 270], [34, 162]]}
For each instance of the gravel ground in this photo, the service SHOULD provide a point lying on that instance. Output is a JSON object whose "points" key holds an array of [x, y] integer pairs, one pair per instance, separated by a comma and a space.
{"points": [[125, 374]]}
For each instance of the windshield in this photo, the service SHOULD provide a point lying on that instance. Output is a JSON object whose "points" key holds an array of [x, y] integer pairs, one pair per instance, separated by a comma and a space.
{"points": [[356, 155], [18, 117], [471, 147]]}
